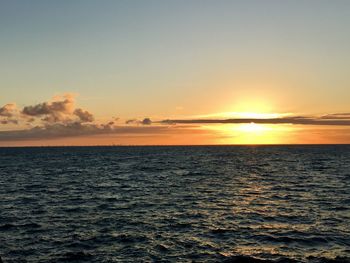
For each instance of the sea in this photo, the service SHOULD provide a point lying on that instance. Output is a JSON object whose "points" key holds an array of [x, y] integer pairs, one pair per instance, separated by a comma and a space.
{"points": [[175, 204]]}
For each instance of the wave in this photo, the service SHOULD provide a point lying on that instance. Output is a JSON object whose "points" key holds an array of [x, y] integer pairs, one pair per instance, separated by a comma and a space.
{"points": [[249, 259]]}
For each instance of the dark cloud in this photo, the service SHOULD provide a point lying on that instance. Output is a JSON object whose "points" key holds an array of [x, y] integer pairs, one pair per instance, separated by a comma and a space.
{"points": [[52, 131], [336, 116], [54, 109], [131, 121], [60, 110], [146, 121], [340, 114], [84, 116], [59, 130], [29, 120], [60, 118], [8, 121], [286, 120]]}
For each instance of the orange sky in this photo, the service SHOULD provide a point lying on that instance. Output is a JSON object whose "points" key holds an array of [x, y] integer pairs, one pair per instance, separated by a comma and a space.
{"points": [[115, 72]]}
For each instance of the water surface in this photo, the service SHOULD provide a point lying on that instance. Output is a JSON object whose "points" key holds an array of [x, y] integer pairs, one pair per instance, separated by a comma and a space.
{"points": [[174, 204]]}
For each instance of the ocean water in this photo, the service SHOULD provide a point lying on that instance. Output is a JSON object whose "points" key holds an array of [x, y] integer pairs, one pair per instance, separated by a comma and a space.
{"points": [[175, 204]]}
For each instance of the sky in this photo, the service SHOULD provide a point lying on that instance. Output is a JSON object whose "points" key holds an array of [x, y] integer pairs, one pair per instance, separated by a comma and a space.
{"points": [[83, 72]]}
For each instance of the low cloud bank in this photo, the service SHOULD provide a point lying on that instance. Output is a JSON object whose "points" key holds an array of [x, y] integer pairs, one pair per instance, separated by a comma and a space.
{"points": [[330, 119], [79, 129]]}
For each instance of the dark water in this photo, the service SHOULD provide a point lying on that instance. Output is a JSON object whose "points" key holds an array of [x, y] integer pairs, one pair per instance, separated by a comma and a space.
{"points": [[175, 204]]}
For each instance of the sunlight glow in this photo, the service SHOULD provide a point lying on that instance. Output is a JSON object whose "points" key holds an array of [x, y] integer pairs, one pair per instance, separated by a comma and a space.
{"points": [[242, 115], [253, 128], [252, 133]]}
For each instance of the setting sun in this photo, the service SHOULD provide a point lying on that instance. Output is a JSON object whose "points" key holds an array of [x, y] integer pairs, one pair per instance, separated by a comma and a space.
{"points": [[252, 133], [260, 134], [253, 128]]}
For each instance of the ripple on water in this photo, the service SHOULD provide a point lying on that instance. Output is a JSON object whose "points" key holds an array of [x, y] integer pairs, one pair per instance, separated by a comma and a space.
{"points": [[175, 204]]}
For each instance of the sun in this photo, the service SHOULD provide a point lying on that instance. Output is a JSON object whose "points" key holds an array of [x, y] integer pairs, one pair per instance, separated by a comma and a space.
{"points": [[252, 128], [252, 133]]}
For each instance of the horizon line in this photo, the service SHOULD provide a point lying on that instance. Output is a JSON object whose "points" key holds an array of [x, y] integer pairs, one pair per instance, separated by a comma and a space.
{"points": [[178, 145]]}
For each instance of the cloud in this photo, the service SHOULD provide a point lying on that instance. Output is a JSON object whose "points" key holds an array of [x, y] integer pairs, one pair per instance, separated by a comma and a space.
{"points": [[8, 110], [145, 121], [58, 130], [8, 121], [336, 116], [65, 105], [59, 118], [53, 131], [84, 116], [131, 121], [60, 109], [300, 120], [7, 114]]}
